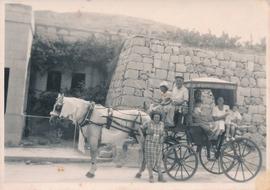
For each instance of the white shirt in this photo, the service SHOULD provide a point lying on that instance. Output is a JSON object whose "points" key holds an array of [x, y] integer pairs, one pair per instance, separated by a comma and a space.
{"points": [[217, 112], [179, 95]]}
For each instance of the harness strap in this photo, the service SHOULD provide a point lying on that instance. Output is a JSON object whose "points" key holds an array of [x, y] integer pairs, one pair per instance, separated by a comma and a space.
{"points": [[84, 137], [109, 118]]}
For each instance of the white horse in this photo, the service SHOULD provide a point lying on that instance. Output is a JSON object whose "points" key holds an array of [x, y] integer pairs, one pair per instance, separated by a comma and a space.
{"points": [[92, 117]]}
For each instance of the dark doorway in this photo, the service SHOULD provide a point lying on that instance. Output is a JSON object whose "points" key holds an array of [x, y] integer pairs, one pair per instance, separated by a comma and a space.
{"points": [[78, 80], [54, 81], [6, 86]]}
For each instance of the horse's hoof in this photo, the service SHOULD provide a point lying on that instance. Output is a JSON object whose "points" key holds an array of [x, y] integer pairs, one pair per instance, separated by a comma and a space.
{"points": [[90, 175]]}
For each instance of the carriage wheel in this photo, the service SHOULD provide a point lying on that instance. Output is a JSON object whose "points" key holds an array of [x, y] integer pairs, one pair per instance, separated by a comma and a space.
{"points": [[166, 145], [241, 160], [180, 162], [212, 164]]}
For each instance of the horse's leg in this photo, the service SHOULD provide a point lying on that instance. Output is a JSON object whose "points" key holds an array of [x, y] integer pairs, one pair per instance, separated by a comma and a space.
{"points": [[94, 135], [120, 155]]}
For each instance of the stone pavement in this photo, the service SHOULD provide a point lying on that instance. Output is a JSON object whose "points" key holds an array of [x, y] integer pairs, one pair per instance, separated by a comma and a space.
{"points": [[47, 155]]}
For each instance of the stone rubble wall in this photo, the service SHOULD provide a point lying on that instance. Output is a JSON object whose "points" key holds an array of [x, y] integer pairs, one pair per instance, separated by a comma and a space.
{"points": [[145, 62]]}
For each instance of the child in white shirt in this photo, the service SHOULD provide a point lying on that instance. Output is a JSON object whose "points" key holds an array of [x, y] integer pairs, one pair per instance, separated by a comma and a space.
{"points": [[232, 121]]}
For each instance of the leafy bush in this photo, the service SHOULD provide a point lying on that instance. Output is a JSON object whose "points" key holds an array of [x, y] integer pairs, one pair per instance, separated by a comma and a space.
{"points": [[47, 54], [211, 41]]}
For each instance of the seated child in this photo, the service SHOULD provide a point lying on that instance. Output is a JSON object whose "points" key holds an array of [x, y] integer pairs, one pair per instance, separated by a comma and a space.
{"points": [[165, 100], [232, 121]]}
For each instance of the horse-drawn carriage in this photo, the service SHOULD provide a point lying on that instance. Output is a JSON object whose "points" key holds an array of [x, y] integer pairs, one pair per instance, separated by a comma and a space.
{"points": [[186, 144], [240, 159]]}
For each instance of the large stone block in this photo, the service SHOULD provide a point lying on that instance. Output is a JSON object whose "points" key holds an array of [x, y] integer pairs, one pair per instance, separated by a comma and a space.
{"points": [[244, 82], [154, 83], [132, 101], [147, 67], [157, 48], [170, 76], [258, 67], [227, 55], [250, 66], [194, 75], [135, 57], [180, 67], [252, 82], [200, 69], [240, 72], [181, 58], [228, 72], [188, 60], [140, 41], [235, 80], [261, 83], [258, 118], [169, 49], [219, 71], [220, 56], [244, 91], [140, 84], [176, 50], [128, 91], [247, 118], [210, 71], [160, 64], [262, 91], [161, 74], [141, 50], [138, 92], [172, 66], [196, 59], [165, 57], [240, 100], [174, 59], [135, 65], [214, 62], [132, 74], [157, 56], [186, 76], [207, 62], [232, 64], [148, 60], [259, 74]]}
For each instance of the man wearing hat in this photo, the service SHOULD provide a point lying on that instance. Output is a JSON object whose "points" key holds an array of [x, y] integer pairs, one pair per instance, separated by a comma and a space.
{"points": [[179, 98]]}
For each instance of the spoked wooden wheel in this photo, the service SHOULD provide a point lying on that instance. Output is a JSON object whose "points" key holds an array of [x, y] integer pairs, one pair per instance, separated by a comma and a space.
{"points": [[241, 160], [168, 142], [180, 162], [210, 161]]}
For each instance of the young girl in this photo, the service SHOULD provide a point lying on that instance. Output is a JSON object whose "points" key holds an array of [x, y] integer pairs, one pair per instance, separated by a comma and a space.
{"points": [[153, 145], [220, 112], [232, 121]]}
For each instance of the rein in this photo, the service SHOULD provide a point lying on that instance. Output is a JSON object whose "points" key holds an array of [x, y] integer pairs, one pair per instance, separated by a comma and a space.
{"points": [[114, 124]]}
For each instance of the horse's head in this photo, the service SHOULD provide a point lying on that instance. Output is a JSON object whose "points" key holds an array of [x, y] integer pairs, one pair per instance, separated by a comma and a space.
{"points": [[55, 113], [60, 112]]}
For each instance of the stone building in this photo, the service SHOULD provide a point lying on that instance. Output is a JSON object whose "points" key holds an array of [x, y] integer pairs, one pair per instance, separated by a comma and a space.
{"points": [[144, 62], [19, 31]]}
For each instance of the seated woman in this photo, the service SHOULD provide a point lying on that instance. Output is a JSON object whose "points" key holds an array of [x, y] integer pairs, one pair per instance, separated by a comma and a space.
{"points": [[220, 112], [205, 121]]}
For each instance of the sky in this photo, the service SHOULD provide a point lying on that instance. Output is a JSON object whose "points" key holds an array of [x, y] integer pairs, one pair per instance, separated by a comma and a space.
{"points": [[244, 18]]}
